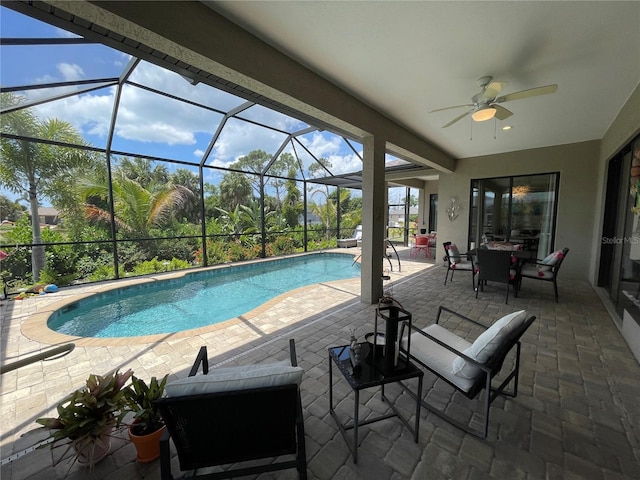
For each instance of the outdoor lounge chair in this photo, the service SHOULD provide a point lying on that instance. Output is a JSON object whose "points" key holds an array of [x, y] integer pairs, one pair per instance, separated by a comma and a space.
{"points": [[469, 367], [353, 241], [234, 415]]}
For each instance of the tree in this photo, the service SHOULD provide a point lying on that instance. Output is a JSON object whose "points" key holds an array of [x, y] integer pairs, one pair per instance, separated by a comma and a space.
{"points": [[327, 211], [140, 170], [10, 210], [235, 189], [191, 208], [36, 169], [211, 201], [137, 209], [284, 163], [254, 162], [292, 207]]}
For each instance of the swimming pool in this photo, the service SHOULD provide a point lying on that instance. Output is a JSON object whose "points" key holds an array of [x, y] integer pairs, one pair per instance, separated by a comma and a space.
{"points": [[197, 299]]}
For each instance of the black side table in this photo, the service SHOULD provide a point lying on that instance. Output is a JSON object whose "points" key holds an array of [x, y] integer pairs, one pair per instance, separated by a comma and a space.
{"points": [[366, 377]]}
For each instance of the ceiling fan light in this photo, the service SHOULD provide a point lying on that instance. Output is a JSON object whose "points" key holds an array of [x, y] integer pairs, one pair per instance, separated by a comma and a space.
{"points": [[486, 113]]}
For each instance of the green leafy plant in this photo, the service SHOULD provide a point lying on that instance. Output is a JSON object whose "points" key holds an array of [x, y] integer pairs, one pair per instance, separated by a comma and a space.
{"points": [[140, 399], [88, 415]]}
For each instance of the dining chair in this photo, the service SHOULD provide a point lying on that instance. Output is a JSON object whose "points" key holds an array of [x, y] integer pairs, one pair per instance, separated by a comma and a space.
{"points": [[546, 269], [456, 261], [421, 245], [496, 266]]}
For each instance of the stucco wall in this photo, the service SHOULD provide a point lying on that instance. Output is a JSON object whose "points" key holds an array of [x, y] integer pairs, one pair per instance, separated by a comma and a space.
{"points": [[579, 189]]}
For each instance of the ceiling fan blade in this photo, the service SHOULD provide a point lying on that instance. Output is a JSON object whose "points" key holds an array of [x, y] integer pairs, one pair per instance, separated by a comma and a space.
{"points": [[501, 112], [460, 117], [532, 92], [449, 108], [493, 90]]}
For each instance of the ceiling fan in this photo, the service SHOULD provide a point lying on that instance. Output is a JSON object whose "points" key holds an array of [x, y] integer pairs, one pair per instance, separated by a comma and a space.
{"points": [[485, 104]]}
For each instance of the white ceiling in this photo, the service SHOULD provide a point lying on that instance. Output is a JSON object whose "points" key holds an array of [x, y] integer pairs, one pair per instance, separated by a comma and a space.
{"points": [[406, 58]]}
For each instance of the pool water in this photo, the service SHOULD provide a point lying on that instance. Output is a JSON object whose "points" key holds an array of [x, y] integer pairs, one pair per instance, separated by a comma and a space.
{"points": [[197, 299]]}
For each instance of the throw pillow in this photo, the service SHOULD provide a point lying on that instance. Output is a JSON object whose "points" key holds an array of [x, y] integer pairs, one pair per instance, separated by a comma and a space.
{"points": [[549, 261], [487, 343], [454, 254]]}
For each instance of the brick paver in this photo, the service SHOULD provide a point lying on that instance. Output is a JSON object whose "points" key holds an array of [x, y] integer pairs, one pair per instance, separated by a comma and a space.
{"points": [[577, 413]]}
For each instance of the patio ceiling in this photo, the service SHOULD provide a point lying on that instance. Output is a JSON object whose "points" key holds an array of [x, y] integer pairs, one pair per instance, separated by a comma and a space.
{"points": [[408, 58]]}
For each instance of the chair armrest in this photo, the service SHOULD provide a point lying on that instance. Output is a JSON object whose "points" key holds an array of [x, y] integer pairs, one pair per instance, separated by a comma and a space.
{"points": [[292, 352], [200, 359], [448, 310]]}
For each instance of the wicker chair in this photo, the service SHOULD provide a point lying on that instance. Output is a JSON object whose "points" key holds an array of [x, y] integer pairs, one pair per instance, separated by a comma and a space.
{"points": [[235, 415], [496, 266]]}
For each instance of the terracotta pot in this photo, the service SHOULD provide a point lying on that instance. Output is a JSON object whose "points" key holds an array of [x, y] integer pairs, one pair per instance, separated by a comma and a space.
{"points": [[147, 446]]}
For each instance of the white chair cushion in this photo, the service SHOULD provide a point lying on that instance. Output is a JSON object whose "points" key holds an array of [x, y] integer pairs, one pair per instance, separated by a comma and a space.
{"points": [[462, 265], [235, 378], [438, 358], [487, 343], [534, 272]]}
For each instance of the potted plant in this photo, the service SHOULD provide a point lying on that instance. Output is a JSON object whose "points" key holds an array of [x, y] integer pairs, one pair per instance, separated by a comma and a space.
{"points": [[88, 416], [147, 426]]}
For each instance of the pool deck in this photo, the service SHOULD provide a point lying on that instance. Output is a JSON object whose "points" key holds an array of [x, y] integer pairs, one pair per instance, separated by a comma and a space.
{"points": [[577, 414]]}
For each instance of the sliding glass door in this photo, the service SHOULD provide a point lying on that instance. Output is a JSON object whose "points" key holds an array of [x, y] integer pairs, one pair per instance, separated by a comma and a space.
{"points": [[519, 210]]}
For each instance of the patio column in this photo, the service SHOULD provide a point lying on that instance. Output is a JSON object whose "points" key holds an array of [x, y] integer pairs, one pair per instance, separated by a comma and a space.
{"points": [[374, 201]]}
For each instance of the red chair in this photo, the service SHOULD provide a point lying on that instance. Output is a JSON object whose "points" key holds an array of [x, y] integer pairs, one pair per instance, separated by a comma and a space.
{"points": [[421, 244]]}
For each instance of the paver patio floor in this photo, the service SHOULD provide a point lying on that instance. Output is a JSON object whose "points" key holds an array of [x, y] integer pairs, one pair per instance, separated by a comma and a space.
{"points": [[577, 414]]}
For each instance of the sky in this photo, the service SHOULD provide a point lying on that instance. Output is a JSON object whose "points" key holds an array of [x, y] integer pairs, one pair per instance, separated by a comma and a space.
{"points": [[147, 123]]}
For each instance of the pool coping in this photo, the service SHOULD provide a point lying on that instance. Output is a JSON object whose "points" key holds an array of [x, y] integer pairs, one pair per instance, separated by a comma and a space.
{"points": [[35, 327]]}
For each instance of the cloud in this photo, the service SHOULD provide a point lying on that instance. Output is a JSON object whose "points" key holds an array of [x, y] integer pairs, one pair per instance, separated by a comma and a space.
{"points": [[89, 114], [70, 71], [149, 118], [160, 132]]}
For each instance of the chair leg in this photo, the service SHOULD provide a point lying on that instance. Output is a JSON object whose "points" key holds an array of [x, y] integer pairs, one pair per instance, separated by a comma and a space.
{"points": [[302, 451], [555, 289], [165, 457]]}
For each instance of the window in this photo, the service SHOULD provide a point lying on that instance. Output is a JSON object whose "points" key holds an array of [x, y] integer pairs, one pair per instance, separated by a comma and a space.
{"points": [[519, 210]]}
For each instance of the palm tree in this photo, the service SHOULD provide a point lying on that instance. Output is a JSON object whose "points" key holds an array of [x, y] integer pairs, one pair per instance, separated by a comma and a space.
{"points": [[137, 209], [235, 189], [33, 168]]}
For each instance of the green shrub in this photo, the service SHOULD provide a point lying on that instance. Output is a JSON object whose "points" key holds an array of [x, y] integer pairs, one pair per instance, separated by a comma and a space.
{"points": [[158, 266], [284, 244], [105, 272]]}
